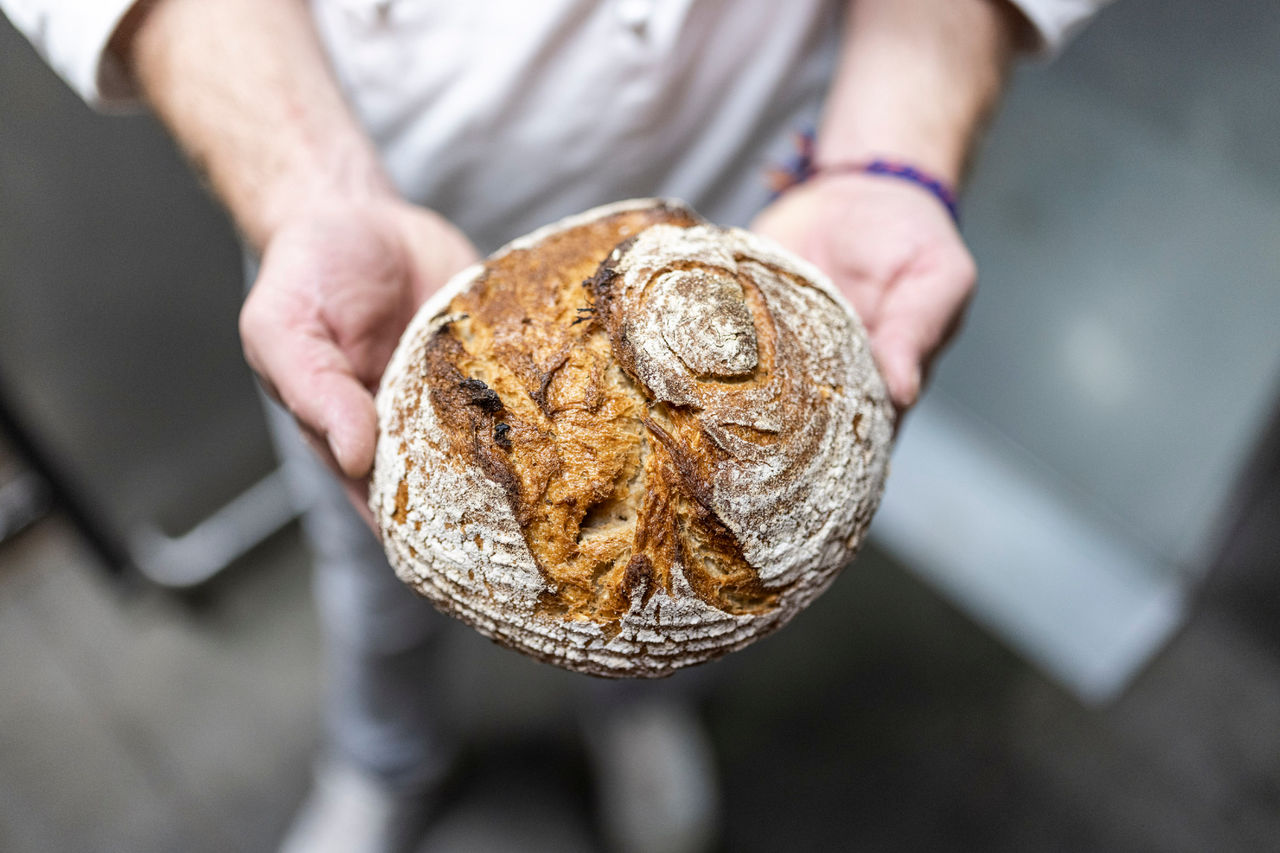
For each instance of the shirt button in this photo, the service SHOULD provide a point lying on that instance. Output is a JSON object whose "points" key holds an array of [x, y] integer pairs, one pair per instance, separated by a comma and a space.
{"points": [[369, 13], [635, 15]]}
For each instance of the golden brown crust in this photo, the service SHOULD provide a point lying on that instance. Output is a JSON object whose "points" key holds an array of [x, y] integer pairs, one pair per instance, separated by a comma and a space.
{"points": [[525, 388]]}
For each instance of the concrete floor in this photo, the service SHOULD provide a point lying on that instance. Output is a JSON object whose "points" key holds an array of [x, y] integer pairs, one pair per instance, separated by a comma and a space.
{"points": [[882, 719]]}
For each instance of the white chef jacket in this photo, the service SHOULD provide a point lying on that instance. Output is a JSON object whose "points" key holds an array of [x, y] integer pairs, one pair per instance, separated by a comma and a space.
{"points": [[506, 114]]}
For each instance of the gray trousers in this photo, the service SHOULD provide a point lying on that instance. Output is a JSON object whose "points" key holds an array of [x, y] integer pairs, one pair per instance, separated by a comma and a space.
{"points": [[382, 651]]}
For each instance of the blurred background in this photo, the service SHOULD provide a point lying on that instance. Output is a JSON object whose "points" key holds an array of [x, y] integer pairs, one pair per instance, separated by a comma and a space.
{"points": [[1065, 635]]}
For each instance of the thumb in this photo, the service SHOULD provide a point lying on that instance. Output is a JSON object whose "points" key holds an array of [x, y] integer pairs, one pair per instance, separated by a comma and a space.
{"points": [[900, 362], [918, 314]]}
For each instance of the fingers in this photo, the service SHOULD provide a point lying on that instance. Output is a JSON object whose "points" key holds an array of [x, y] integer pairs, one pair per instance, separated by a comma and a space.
{"points": [[303, 367], [895, 255], [356, 489], [865, 292], [918, 313], [335, 291]]}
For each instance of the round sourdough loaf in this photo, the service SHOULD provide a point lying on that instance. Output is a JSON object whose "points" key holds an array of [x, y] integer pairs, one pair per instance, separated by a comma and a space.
{"points": [[630, 441]]}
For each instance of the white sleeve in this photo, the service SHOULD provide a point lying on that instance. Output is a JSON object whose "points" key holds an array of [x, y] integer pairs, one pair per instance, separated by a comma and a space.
{"points": [[72, 36], [1056, 21]]}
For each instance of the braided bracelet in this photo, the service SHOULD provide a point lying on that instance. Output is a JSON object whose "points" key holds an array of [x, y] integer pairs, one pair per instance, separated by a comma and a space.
{"points": [[801, 167]]}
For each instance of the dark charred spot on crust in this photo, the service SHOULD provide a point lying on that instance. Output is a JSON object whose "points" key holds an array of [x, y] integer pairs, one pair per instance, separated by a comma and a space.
{"points": [[639, 578], [679, 212], [482, 396], [544, 382], [502, 435], [465, 410], [601, 284], [601, 288]]}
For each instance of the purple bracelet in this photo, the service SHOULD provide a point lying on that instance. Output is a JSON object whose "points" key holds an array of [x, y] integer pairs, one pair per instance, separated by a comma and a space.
{"points": [[801, 167]]}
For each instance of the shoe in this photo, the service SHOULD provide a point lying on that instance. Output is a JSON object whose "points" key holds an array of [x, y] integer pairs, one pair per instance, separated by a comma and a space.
{"points": [[350, 810], [657, 787]]}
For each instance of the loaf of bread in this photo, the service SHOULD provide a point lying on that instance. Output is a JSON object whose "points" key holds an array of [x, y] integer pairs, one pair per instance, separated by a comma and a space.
{"points": [[630, 441]]}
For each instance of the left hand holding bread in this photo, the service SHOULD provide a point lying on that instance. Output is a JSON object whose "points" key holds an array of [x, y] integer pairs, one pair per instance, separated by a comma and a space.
{"points": [[894, 253]]}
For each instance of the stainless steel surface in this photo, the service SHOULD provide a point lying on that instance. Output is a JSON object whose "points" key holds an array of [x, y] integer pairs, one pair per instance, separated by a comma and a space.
{"points": [[219, 539]]}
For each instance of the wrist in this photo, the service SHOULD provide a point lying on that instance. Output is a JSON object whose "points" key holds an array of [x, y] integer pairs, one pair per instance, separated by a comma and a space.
{"points": [[340, 174], [924, 125], [917, 81], [804, 167], [938, 152]]}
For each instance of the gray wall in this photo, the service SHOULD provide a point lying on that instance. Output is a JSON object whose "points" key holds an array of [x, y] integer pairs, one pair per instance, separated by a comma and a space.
{"points": [[119, 288]]}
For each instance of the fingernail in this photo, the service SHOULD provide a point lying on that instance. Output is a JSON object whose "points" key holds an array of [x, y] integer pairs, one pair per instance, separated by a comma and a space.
{"points": [[336, 452], [908, 387]]}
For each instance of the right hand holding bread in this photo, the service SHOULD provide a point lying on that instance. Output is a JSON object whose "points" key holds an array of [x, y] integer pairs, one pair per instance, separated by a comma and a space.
{"points": [[894, 253], [337, 286]]}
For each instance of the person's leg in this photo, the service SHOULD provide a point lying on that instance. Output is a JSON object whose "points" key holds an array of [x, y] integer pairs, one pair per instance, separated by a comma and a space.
{"points": [[657, 787], [383, 746]]}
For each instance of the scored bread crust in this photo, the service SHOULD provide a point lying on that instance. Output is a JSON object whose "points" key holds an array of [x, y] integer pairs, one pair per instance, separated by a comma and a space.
{"points": [[630, 441]]}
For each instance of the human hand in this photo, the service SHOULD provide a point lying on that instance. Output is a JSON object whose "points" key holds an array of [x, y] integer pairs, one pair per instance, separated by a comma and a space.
{"points": [[248, 91], [337, 286], [894, 253]]}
